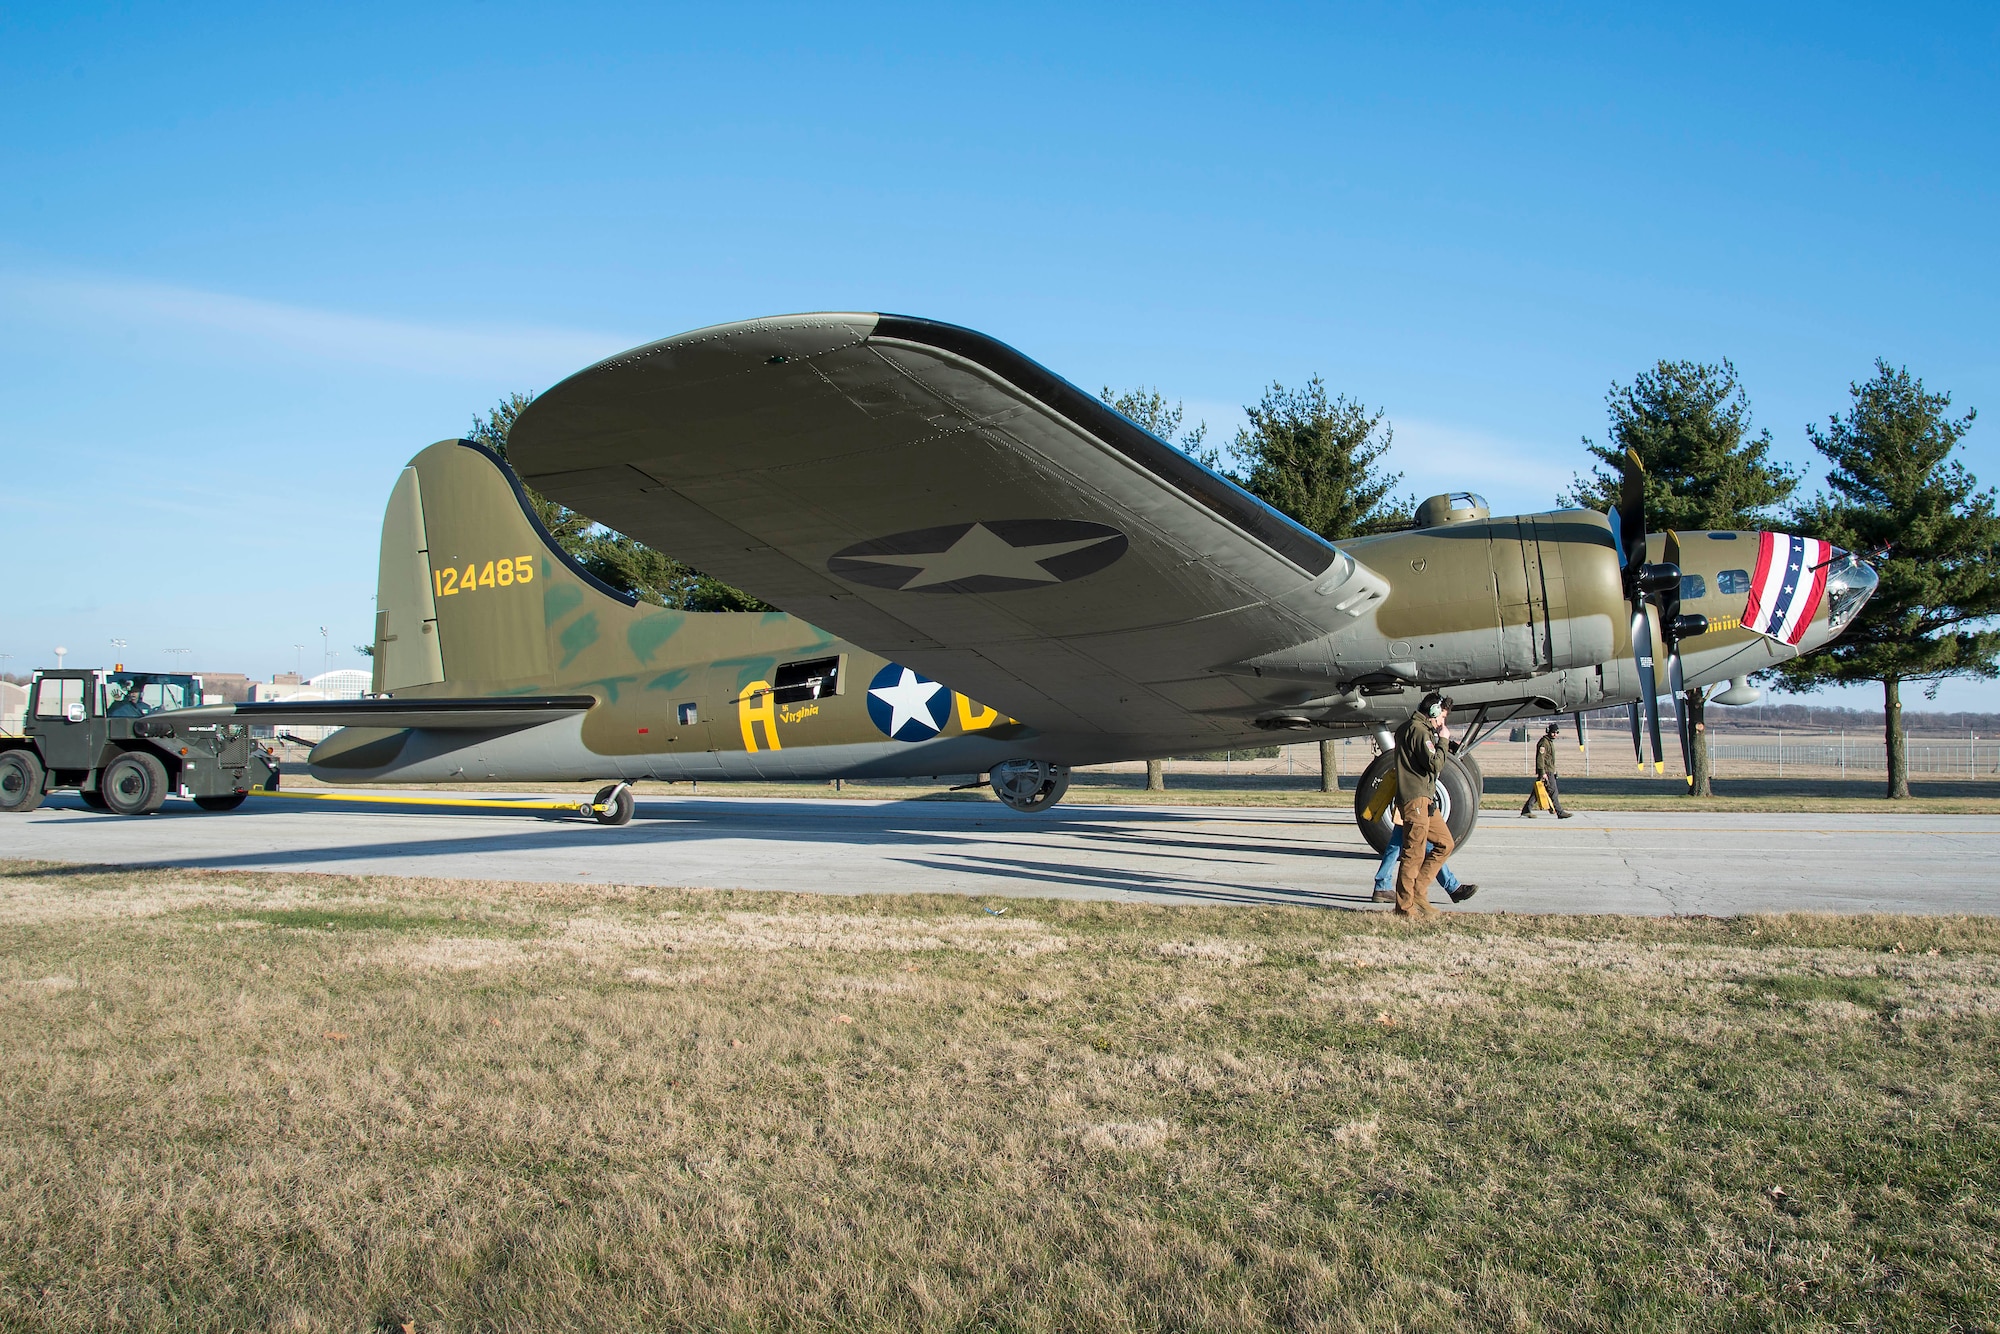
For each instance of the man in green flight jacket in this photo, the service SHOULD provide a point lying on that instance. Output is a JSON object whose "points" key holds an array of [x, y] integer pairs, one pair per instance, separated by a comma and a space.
{"points": [[1421, 747]]}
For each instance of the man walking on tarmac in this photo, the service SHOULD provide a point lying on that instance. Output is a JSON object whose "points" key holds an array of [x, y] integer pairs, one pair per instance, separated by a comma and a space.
{"points": [[1420, 753], [1545, 775]]}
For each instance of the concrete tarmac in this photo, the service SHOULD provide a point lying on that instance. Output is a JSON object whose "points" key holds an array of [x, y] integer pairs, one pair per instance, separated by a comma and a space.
{"points": [[1622, 862]]}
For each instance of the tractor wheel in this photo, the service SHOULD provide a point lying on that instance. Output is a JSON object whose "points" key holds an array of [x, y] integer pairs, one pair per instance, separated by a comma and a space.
{"points": [[94, 800], [21, 781], [1459, 781], [224, 803], [133, 784]]}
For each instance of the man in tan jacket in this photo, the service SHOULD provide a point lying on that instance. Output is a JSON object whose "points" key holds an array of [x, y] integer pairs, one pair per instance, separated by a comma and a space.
{"points": [[1421, 746]]}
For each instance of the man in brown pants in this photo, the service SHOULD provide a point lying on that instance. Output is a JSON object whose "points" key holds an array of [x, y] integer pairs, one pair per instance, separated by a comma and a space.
{"points": [[1421, 747]]}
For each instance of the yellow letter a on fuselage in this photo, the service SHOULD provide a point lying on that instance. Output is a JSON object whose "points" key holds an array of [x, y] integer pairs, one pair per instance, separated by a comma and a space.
{"points": [[757, 704]]}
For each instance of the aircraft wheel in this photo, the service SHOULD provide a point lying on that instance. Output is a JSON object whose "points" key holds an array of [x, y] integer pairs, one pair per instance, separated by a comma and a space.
{"points": [[224, 803], [133, 784], [1029, 785], [615, 804], [1460, 782], [21, 781]]}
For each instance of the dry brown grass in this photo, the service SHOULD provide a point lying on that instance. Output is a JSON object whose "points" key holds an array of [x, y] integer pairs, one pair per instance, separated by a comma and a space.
{"points": [[309, 1102]]}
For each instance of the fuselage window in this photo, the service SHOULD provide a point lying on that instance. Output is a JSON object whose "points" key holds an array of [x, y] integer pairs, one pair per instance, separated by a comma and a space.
{"points": [[1693, 586], [798, 682], [1733, 581], [686, 714]]}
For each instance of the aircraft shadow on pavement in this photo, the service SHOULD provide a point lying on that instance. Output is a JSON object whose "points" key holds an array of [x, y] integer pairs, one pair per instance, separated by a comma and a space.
{"points": [[1124, 830]]}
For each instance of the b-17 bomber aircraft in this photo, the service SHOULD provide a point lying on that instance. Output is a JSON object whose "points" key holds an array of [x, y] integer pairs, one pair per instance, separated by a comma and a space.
{"points": [[985, 570]]}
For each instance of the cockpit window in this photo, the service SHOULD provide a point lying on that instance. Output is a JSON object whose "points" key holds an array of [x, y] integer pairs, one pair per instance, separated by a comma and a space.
{"points": [[1693, 586], [1733, 581], [135, 694]]}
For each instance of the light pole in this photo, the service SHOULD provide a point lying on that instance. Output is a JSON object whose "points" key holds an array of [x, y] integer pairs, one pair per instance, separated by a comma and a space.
{"points": [[298, 661], [180, 653], [325, 651]]}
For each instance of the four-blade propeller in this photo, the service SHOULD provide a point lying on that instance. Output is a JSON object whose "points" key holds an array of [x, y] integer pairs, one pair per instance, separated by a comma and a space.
{"points": [[1654, 592]]}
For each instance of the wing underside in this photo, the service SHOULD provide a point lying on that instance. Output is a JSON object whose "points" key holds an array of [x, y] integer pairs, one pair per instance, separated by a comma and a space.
{"points": [[934, 496]]}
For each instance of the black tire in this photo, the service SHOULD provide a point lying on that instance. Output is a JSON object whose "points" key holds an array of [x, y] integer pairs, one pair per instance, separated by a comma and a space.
{"points": [[227, 803], [23, 781], [133, 784], [1461, 783], [1471, 762], [94, 801], [617, 804], [1029, 786]]}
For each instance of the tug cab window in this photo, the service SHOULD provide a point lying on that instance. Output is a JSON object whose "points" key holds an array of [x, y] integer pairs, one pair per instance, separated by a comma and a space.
{"points": [[57, 695], [1733, 581], [798, 682]]}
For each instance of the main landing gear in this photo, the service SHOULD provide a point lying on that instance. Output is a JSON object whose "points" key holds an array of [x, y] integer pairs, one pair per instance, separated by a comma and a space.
{"points": [[1029, 785], [1459, 785]]}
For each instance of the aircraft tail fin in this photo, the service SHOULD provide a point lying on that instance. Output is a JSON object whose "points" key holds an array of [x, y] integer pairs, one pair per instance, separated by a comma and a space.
{"points": [[470, 581]]}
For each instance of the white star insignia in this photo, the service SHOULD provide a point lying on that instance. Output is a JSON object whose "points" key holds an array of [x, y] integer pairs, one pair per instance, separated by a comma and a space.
{"points": [[980, 551], [908, 700]]}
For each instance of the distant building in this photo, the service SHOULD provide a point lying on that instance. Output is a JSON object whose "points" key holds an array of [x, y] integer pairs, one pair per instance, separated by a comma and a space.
{"points": [[13, 708], [343, 683], [224, 687]]}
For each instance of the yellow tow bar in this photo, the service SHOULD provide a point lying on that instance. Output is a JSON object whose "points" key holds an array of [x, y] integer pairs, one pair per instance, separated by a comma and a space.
{"points": [[581, 807]]}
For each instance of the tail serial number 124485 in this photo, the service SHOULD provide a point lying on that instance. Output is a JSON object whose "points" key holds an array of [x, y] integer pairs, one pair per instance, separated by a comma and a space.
{"points": [[493, 574]]}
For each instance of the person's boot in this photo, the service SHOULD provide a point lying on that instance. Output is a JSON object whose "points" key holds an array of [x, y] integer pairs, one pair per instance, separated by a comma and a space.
{"points": [[1383, 896], [1462, 893], [1562, 815], [1527, 813]]}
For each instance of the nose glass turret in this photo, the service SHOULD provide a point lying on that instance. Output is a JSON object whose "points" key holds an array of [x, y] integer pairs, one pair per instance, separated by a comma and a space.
{"points": [[1850, 581]]}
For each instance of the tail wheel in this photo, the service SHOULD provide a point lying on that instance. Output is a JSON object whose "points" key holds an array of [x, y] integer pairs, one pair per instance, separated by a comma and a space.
{"points": [[224, 803], [613, 804], [1459, 785], [1029, 785], [133, 784], [22, 779]]}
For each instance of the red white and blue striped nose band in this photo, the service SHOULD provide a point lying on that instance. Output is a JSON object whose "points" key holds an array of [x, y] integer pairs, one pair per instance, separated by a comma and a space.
{"points": [[1785, 591]]}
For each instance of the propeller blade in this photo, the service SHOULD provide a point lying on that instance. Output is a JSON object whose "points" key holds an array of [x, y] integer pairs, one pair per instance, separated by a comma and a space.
{"points": [[1630, 528], [1638, 746], [1579, 729], [1649, 684], [1675, 684]]}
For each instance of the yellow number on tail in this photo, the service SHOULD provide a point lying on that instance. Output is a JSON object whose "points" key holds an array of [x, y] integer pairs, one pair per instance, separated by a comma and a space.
{"points": [[486, 576], [505, 571], [447, 581], [524, 569]]}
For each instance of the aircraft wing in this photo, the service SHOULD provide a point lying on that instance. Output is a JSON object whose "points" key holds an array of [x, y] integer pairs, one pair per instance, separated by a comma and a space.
{"points": [[934, 496], [495, 713]]}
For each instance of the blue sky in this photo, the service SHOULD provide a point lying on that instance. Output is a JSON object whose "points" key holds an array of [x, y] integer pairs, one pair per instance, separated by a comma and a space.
{"points": [[253, 259]]}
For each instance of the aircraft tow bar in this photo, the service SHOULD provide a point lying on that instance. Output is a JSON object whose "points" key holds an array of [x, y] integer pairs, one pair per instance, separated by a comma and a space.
{"points": [[605, 803]]}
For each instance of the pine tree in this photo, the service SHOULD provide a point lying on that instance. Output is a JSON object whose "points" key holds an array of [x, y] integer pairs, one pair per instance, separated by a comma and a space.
{"points": [[1315, 458], [1894, 485], [1689, 423], [1148, 407]]}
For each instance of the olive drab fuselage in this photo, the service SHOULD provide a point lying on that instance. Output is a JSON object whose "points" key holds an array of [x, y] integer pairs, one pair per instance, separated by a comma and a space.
{"points": [[474, 599]]}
